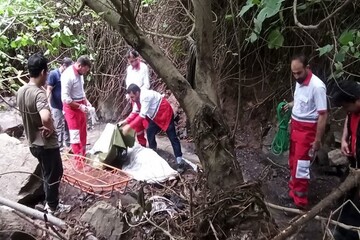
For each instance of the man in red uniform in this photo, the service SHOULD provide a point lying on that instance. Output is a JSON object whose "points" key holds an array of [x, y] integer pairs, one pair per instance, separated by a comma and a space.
{"points": [[152, 105], [308, 120], [348, 96], [76, 106], [139, 128]]}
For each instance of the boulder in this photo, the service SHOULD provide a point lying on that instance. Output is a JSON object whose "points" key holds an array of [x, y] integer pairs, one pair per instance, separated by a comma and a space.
{"points": [[19, 184], [336, 158], [106, 220], [11, 123], [14, 227]]}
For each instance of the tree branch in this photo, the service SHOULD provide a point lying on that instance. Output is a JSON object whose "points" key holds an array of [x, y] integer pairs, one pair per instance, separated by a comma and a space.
{"points": [[171, 36], [299, 24], [350, 182], [297, 211], [7, 27]]}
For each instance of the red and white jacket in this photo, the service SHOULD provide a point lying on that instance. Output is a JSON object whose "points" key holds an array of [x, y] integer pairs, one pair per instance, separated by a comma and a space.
{"points": [[153, 106]]}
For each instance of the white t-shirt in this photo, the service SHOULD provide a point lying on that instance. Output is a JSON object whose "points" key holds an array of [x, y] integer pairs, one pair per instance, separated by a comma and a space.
{"points": [[150, 102], [139, 77], [309, 100], [72, 85]]}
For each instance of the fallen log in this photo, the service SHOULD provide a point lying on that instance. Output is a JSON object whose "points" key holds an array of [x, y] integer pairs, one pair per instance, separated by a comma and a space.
{"points": [[350, 182]]}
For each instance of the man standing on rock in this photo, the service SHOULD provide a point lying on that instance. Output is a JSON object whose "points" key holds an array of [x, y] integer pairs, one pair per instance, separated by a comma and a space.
{"points": [[76, 106], [53, 92], [155, 107], [308, 120], [39, 130], [348, 96]]}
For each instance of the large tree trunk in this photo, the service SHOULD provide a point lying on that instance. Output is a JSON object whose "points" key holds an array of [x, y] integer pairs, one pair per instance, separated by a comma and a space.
{"points": [[204, 74], [214, 144]]}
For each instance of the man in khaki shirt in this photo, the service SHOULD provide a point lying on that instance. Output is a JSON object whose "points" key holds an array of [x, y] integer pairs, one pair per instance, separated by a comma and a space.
{"points": [[39, 130]]}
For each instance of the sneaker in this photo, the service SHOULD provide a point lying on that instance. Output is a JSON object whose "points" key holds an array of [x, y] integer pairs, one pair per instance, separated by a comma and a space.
{"points": [[180, 167], [61, 208]]}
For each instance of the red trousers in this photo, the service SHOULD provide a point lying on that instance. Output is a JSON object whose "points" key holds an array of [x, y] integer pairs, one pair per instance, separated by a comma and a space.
{"points": [[141, 127], [76, 120], [140, 132], [302, 135]]}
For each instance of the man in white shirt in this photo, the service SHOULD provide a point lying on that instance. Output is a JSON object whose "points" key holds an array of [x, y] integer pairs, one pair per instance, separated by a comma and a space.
{"points": [[156, 108], [76, 105], [308, 120], [137, 72]]}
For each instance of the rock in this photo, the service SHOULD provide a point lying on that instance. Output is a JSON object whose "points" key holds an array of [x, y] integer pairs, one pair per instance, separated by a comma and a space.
{"points": [[337, 136], [268, 139], [11, 123], [19, 186], [8, 104], [105, 219], [322, 157], [336, 158], [14, 227]]}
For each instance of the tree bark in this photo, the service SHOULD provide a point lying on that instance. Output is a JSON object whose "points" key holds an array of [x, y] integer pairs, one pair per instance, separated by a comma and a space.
{"points": [[204, 75], [214, 144]]}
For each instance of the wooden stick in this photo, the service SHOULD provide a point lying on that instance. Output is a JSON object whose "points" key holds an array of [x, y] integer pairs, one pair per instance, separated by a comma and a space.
{"points": [[350, 182], [32, 212], [213, 229]]}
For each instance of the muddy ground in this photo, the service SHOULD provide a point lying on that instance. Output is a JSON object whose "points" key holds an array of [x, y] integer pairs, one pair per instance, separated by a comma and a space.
{"points": [[272, 170]]}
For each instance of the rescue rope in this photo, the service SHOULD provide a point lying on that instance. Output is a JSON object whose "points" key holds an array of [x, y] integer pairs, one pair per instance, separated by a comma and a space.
{"points": [[281, 141]]}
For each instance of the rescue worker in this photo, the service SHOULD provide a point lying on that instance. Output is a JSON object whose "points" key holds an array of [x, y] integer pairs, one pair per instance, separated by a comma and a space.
{"points": [[308, 120], [137, 73], [76, 105], [155, 107], [53, 92], [347, 95]]}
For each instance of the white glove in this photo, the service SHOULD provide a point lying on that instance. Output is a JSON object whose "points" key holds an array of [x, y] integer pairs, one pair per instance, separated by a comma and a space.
{"points": [[83, 108]]}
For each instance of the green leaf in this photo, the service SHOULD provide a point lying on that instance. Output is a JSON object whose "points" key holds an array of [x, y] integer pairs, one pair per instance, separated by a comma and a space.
{"points": [[257, 26], [271, 7], [340, 56], [275, 39], [325, 49], [249, 4], [338, 66], [65, 40], [13, 44], [67, 31], [55, 24], [253, 37], [346, 37]]}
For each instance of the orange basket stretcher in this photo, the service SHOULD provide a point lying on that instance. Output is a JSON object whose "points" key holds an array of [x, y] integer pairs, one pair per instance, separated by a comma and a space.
{"points": [[97, 178]]}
